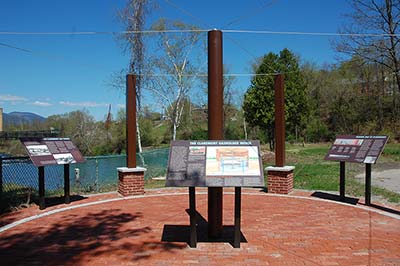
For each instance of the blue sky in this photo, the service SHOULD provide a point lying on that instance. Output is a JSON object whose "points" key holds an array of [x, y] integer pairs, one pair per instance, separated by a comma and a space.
{"points": [[65, 73]]}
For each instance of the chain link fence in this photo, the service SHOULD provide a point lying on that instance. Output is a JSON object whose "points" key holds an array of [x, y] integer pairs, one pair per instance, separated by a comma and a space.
{"points": [[19, 177]]}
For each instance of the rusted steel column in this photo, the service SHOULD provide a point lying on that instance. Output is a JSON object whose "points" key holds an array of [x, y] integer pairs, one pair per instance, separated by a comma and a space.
{"points": [[131, 121], [279, 121], [215, 124]]}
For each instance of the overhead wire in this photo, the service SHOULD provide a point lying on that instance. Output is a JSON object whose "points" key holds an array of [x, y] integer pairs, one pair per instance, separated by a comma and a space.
{"points": [[205, 74], [268, 32], [49, 56], [251, 13], [207, 25], [15, 47]]}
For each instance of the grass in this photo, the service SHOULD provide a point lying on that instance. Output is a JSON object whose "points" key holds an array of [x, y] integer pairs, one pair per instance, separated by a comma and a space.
{"points": [[312, 172]]}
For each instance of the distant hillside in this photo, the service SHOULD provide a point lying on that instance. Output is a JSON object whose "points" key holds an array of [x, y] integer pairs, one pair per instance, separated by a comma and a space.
{"points": [[19, 118]]}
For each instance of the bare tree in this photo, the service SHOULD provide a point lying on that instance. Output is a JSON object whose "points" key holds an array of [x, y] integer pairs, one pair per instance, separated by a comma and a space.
{"points": [[175, 68], [134, 16], [382, 18]]}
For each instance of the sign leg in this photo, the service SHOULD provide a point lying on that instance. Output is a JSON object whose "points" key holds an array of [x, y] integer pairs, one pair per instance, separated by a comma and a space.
{"points": [[368, 184], [42, 204], [215, 202], [192, 213], [342, 181], [66, 184], [238, 206]]}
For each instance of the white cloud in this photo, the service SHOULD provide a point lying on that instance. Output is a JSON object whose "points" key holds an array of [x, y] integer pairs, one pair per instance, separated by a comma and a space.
{"points": [[121, 105], [83, 104], [42, 104], [12, 98]]}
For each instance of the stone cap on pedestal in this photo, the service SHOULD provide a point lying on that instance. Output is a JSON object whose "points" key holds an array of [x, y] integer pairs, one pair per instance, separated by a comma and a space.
{"points": [[131, 170], [280, 169]]}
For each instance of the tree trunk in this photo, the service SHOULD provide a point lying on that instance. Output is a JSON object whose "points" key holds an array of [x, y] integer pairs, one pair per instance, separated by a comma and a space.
{"points": [[244, 128], [174, 128]]}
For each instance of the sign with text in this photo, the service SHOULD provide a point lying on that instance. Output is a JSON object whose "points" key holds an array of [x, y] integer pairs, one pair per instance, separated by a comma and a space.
{"points": [[357, 149], [49, 151], [215, 163]]}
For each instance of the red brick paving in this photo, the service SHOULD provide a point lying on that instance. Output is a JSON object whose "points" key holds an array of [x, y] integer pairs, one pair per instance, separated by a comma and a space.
{"points": [[279, 231]]}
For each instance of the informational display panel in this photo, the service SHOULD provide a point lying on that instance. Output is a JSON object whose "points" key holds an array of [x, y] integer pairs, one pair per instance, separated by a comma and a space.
{"points": [[215, 163], [50, 151], [357, 149]]}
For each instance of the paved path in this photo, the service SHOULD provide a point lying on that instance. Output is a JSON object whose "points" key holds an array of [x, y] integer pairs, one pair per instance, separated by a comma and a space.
{"points": [[153, 230], [389, 179]]}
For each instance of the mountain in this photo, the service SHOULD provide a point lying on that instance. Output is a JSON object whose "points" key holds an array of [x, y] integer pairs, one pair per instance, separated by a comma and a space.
{"points": [[18, 118]]}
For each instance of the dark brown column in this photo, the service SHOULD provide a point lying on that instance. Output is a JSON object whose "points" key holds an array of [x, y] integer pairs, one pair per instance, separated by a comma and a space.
{"points": [[131, 121], [279, 121], [215, 124]]}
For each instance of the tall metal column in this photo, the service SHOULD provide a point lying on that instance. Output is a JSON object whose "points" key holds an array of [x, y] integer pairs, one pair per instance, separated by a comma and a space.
{"points": [[279, 121], [131, 121], [215, 124]]}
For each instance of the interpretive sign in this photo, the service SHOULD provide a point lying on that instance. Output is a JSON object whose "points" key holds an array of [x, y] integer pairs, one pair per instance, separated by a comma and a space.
{"points": [[357, 149], [48, 151], [215, 163]]}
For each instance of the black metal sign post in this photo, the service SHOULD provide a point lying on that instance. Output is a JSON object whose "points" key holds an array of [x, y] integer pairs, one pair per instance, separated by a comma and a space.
{"points": [[342, 181], [52, 151], [215, 163], [368, 184], [238, 207], [193, 220], [356, 149], [42, 203], [66, 184]]}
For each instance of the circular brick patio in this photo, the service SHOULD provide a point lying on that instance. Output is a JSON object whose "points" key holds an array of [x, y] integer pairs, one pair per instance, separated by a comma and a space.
{"points": [[153, 230]]}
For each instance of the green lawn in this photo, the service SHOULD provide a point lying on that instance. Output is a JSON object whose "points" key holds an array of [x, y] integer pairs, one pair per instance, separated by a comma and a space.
{"points": [[312, 172]]}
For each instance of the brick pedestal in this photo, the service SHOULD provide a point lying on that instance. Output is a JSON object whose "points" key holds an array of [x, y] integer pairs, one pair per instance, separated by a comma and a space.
{"points": [[280, 179], [131, 181]]}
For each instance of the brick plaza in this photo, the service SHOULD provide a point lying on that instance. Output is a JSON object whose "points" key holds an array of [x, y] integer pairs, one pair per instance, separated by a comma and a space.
{"points": [[153, 230]]}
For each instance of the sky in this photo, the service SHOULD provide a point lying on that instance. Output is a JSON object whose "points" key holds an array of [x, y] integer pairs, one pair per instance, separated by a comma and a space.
{"points": [[60, 73]]}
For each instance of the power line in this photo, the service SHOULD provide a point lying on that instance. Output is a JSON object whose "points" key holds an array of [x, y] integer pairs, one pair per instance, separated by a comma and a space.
{"points": [[267, 32], [15, 47], [101, 32], [311, 33], [50, 56], [251, 13], [207, 25], [205, 74]]}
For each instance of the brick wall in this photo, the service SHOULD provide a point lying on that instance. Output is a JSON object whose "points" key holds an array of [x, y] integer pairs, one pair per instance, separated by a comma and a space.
{"points": [[280, 182], [130, 183]]}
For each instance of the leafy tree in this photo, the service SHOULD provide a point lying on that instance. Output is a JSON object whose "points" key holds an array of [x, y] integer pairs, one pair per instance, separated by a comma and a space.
{"points": [[133, 16], [175, 59], [80, 126], [381, 17], [258, 102]]}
